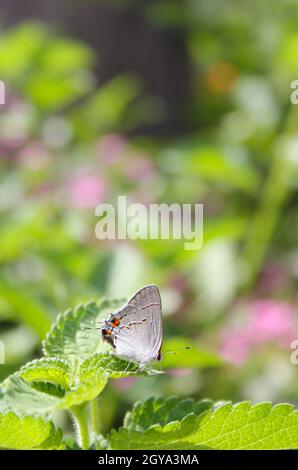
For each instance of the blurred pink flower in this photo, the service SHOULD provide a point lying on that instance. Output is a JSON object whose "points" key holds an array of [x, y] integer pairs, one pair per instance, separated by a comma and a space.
{"points": [[124, 384], [180, 372], [9, 147], [111, 148], [268, 321], [235, 346], [139, 168], [271, 321], [34, 156], [87, 191]]}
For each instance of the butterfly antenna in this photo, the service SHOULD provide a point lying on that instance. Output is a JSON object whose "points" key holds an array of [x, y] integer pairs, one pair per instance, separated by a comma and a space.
{"points": [[174, 351], [90, 328]]}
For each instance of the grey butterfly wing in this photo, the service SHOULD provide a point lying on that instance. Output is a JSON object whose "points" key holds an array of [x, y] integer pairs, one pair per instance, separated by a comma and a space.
{"points": [[140, 335]]}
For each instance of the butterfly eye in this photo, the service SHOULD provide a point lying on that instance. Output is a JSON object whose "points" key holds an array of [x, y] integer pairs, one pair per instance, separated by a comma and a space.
{"points": [[106, 332]]}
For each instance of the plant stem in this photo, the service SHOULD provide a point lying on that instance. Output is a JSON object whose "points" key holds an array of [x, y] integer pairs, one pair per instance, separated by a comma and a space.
{"points": [[81, 420], [95, 421]]}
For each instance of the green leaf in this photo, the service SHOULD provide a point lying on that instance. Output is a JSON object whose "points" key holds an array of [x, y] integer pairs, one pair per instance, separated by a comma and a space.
{"points": [[54, 383], [173, 435], [242, 426], [73, 371], [39, 398], [48, 384], [194, 357], [19, 48], [162, 411], [52, 92], [89, 383], [63, 56], [92, 376], [28, 433], [247, 426], [24, 399], [49, 388], [68, 336], [114, 367], [53, 370], [212, 164], [84, 392], [113, 97], [100, 443]]}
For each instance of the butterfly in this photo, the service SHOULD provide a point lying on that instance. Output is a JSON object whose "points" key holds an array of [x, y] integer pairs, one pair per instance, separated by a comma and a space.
{"points": [[135, 330]]}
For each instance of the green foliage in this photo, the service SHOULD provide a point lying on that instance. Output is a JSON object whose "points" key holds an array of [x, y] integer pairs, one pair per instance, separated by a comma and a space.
{"points": [[72, 364], [197, 426], [24, 308], [238, 156], [214, 165], [113, 98], [53, 370], [114, 367], [47, 68], [69, 339], [246, 426], [28, 433], [179, 356], [24, 398], [76, 369], [162, 411], [18, 49]]}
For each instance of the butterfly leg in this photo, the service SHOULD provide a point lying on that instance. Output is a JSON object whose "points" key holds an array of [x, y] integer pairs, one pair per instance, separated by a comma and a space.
{"points": [[127, 367]]}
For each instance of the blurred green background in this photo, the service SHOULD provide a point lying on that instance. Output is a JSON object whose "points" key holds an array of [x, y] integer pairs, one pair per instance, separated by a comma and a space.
{"points": [[163, 101]]}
